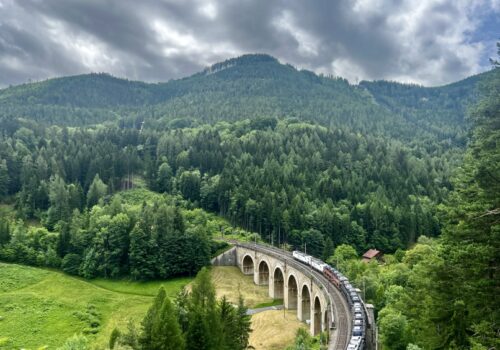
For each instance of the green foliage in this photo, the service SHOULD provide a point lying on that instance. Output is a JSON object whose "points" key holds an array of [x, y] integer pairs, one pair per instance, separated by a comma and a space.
{"points": [[97, 190], [77, 342], [195, 321], [303, 340], [40, 308], [472, 234], [393, 327], [342, 254]]}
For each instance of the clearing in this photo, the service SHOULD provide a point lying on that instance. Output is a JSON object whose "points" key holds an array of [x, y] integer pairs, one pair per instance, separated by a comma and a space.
{"points": [[273, 329], [229, 281], [40, 307]]}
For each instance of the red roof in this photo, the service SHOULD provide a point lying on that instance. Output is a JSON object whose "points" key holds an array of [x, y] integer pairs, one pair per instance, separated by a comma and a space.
{"points": [[372, 253]]}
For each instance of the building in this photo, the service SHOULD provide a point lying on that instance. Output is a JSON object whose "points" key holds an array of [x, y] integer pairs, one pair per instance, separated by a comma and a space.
{"points": [[372, 254]]}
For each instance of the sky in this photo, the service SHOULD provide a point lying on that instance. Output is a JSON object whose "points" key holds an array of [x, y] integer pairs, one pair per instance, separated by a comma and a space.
{"points": [[429, 42]]}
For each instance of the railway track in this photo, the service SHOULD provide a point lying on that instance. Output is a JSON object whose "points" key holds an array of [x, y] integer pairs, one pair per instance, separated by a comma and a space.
{"points": [[339, 338]]}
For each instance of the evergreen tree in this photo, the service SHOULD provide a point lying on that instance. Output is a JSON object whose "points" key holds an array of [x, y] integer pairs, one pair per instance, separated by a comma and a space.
{"points": [[148, 338], [4, 178], [4, 232], [328, 249], [166, 333], [243, 325], [471, 238], [164, 180], [59, 202], [229, 324], [97, 190]]}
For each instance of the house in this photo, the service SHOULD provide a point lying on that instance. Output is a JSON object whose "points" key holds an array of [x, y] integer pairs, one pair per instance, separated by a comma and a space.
{"points": [[372, 254]]}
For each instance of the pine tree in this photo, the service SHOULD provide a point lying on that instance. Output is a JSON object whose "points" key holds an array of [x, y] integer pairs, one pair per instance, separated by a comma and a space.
{"points": [[97, 190], [59, 202], [4, 178], [328, 249], [243, 325], [471, 238], [4, 232], [147, 339], [229, 324], [164, 180], [166, 333], [208, 334]]}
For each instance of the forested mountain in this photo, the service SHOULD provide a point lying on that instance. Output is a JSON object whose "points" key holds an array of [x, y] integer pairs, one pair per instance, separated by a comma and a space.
{"points": [[286, 153], [250, 86]]}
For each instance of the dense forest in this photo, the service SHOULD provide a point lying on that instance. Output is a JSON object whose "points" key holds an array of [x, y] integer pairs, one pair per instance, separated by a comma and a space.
{"points": [[97, 173], [443, 293]]}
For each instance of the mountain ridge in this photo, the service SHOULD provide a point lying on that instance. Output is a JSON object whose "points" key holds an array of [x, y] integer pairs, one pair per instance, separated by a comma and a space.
{"points": [[247, 87]]}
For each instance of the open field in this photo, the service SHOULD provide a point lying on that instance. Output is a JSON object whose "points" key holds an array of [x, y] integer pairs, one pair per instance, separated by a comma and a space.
{"points": [[229, 281], [41, 307], [274, 329]]}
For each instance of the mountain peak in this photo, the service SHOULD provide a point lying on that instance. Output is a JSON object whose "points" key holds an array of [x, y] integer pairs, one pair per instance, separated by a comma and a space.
{"points": [[247, 59]]}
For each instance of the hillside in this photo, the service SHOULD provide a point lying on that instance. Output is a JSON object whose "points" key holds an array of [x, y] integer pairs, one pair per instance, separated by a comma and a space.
{"points": [[249, 86]]}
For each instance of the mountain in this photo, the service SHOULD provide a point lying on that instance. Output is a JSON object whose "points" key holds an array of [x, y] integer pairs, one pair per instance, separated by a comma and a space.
{"points": [[248, 87]]}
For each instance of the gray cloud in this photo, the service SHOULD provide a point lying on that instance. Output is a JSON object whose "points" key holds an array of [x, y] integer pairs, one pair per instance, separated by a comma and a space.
{"points": [[423, 41]]}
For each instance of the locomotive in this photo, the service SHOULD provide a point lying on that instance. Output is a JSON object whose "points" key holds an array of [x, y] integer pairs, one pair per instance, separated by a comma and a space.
{"points": [[351, 294]]}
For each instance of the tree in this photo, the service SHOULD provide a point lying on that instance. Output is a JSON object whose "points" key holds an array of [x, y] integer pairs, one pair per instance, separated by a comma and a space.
{"points": [[4, 178], [166, 333], [148, 339], [393, 327], [243, 325], [164, 179], [97, 190], [189, 185], [204, 331], [328, 249], [342, 254], [59, 202], [468, 279], [71, 263], [4, 232]]}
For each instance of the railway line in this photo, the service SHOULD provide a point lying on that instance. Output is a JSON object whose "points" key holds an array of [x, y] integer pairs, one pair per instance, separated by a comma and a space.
{"points": [[341, 314]]}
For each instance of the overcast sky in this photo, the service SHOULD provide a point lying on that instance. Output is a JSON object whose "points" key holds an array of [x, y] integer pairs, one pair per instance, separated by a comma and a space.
{"points": [[430, 42]]}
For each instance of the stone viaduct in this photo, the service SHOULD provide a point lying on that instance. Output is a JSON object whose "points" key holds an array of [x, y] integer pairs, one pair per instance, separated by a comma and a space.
{"points": [[298, 285]]}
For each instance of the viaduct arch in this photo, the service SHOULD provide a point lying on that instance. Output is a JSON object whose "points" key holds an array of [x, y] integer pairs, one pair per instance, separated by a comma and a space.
{"points": [[291, 281]]}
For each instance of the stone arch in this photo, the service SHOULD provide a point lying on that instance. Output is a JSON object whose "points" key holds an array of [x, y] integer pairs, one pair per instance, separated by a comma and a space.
{"points": [[248, 265], [292, 291], [306, 303], [316, 317], [279, 283], [263, 273]]}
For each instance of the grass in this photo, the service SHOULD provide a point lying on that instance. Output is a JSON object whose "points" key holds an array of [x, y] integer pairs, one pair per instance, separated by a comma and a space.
{"points": [[275, 302], [274, 329], [150, 288], [229, 281], [43, 308]]}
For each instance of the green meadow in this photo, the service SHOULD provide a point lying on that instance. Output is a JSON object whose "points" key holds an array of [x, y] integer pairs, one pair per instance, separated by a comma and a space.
{"points": [[40, 307]]}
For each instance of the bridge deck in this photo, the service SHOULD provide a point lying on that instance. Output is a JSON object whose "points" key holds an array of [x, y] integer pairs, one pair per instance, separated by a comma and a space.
{"points": [[340, 336]]}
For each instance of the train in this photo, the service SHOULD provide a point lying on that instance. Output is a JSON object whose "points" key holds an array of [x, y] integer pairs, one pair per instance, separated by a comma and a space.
{"points": [[351, 294]]}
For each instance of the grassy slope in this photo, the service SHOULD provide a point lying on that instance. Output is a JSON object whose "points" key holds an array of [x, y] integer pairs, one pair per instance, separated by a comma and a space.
{"points": [[41, 307], [272, 330], [229, 281]]}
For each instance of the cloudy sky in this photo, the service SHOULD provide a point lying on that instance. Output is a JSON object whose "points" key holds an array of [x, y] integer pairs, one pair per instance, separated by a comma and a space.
{"points": [[429, 42]]}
